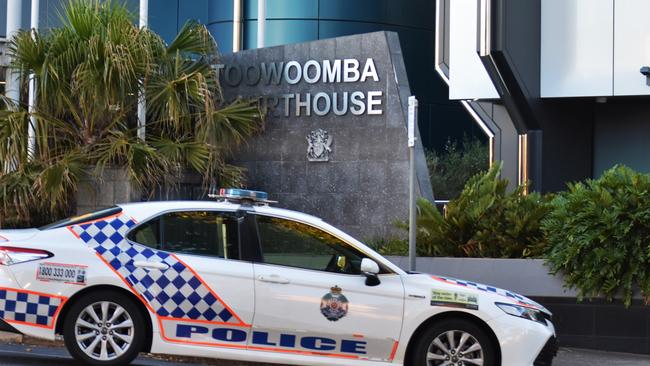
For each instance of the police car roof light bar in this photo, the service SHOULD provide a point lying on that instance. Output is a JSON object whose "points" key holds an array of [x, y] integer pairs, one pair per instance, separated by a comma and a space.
{"points": [[240, 196]]}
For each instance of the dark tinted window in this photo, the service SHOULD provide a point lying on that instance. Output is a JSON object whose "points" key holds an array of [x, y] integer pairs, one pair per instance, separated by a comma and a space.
{"points": [[290, 243], [147, 234], [207, 233]]}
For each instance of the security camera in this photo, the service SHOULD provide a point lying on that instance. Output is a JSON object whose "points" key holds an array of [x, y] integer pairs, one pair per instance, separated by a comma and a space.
{"points": [[645, 70]]}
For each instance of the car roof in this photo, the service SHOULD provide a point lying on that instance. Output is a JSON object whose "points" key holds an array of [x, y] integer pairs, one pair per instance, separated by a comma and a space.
{"points": [[158, 206]]}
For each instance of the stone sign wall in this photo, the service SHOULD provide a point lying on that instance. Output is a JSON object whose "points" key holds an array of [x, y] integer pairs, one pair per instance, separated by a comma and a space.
{"points": [[335, 139]]}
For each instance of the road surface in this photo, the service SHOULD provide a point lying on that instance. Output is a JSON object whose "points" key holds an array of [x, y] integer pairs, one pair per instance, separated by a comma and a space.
{"points": [[18, 355]]}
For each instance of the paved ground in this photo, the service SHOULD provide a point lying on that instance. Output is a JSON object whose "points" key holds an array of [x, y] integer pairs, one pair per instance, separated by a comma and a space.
{"points": [[575, 357], [18, 354]]}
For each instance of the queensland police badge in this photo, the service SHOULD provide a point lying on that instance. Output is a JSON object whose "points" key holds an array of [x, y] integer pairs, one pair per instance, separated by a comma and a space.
{"points": [[334, 305]]}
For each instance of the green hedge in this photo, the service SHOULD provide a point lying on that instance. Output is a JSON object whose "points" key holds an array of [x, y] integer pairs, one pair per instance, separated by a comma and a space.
{"points": [[484, 221], [599, 235], [596, 233]]}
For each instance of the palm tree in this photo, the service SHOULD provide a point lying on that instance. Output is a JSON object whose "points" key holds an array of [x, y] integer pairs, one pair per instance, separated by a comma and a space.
{"points": [[89, 73]]}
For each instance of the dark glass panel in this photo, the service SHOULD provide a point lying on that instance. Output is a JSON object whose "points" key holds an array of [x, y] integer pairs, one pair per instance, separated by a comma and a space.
{"points": [[279, 32], [163, 18], [359, 10], [192, 10], [222, 33], [220, 10], [3, 18], [412, 13], [332, 29], [283, 9]]}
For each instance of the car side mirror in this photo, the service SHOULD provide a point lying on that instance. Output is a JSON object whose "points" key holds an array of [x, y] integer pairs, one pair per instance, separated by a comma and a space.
{"points": [[370, 269]]}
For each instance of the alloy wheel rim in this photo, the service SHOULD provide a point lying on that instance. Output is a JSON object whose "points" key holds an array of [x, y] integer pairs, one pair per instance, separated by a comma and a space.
{"points": [[455, 348], [104, 331]]}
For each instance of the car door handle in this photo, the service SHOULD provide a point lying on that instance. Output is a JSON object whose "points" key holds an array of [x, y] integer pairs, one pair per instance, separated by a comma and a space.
{"points": [[151, 265], [274, 279]]}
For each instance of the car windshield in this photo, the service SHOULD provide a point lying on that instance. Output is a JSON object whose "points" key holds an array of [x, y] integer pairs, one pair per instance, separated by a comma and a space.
{"points": [[83, 218]]}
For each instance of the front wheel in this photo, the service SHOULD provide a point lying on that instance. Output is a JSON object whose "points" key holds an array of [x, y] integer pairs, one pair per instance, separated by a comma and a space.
{"points": [[104, 329], [454, 342]]}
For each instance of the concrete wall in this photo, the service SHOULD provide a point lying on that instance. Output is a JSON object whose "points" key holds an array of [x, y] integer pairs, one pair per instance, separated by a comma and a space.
{"points": [[532, 279], [106, 190], [113, 187], [363, 188]]}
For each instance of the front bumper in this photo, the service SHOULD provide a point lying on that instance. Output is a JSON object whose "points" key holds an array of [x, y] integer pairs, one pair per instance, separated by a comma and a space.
{"points": [[548, 353], [524, 342]]}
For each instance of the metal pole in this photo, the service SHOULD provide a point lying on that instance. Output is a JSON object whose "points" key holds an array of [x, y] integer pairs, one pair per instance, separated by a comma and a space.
{"points": [[236, 26], [142, 102], [412, 120], [14, 17], [31, 129], [261, 23]]}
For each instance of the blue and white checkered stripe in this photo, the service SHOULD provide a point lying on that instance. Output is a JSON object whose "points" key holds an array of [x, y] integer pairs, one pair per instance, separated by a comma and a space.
{"points": [[484, 288], [175, 292], [28, 307]]}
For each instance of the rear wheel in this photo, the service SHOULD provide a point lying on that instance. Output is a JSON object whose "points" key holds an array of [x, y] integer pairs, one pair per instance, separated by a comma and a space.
{"points": [[104, 329], [454, 342]]}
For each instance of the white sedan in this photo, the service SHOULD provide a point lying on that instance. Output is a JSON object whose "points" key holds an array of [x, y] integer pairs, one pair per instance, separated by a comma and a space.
{"points": [[238, 279]]}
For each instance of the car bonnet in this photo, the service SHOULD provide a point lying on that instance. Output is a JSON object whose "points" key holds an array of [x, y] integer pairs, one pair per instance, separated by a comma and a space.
{"points": [[508, 296]]}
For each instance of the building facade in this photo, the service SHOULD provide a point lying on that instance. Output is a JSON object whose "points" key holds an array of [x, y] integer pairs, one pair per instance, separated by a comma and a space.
{"points": [[556, 83], [294, 21]]}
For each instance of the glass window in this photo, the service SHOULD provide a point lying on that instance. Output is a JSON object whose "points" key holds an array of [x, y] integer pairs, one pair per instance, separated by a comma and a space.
{"points": [[294, 244], [280, 32], [283, 9], [207, 233], [3, 18], [147, 234]]}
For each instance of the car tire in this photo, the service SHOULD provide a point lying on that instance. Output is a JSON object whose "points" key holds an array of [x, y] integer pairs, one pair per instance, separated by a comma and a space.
{"points": [[104, 329], [434, 346]]}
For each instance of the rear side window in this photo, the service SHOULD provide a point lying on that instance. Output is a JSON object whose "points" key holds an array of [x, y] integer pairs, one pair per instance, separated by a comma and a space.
{"points": [[83, 218], [206, 233]]}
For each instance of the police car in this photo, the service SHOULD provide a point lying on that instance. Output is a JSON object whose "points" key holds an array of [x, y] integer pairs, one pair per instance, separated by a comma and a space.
{"points": [[239, 279]]}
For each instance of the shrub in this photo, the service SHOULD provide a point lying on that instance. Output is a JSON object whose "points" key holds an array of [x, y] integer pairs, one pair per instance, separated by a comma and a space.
{"points": [[450, 169], [484, 221], [598, 235], [389, 246]]}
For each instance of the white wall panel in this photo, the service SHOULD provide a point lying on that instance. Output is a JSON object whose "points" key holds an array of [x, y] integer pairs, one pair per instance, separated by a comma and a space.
{"points": [[577, 47], [467, 76], [631, 46]]}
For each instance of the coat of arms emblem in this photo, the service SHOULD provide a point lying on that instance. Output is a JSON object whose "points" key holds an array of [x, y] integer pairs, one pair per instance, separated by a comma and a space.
{"points": [[334, 305], [320, 143]]}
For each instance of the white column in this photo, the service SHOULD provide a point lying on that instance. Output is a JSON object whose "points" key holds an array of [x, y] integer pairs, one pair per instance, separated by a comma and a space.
{"points": [[31, 129], [412, 123], [261, 23], [142, 102], [14, 20], [237, 26]]}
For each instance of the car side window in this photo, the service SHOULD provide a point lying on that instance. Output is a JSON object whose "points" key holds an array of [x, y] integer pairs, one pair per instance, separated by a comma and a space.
{"points": [[206, 233], [295, 244], [147, 234]]}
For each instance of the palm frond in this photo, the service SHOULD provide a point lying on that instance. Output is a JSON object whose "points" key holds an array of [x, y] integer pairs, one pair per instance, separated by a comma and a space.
{"points": [[193, 38]]}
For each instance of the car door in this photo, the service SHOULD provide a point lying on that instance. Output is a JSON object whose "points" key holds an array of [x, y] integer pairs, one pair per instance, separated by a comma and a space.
{"points": [[203, 291], [312, 299]]}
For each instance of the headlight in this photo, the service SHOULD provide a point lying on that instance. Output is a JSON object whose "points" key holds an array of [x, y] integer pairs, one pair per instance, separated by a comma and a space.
{"points": [[522, 312]]}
